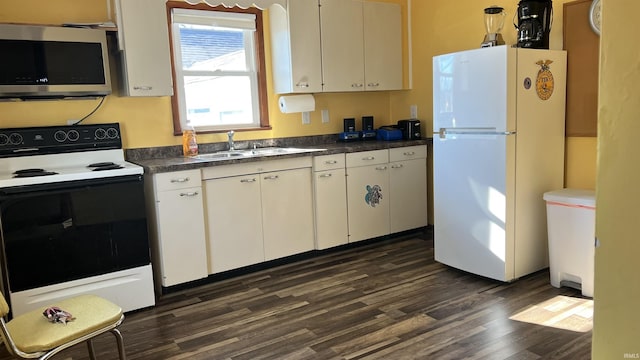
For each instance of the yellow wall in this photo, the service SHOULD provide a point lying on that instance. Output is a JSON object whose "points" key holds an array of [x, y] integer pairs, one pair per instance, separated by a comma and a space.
{"points": [[617, 288]]}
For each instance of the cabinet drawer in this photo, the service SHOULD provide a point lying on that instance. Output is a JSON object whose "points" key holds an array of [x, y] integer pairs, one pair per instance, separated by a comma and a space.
{"points": [[177, 180], [255, 167], [328, 162], [408, 153], [365, 158]]}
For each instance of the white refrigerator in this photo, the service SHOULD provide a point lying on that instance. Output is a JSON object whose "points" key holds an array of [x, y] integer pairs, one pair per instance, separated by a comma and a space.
{"points": [[498, 146]]}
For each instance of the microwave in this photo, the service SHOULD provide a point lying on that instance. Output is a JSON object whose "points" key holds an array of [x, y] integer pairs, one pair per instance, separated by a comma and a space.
{"points": [[44, 62]]}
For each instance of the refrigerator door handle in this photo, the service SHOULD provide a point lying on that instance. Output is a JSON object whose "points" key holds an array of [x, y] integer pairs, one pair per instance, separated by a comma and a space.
{"points": [[443, 132]]}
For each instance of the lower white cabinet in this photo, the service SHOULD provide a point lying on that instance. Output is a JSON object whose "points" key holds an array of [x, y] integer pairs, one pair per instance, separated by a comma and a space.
{"points": [[368, 194], [330, 201], [386, 191], [177, 230], [287, 212], [408, 188], [258, 211], [234, 222]]}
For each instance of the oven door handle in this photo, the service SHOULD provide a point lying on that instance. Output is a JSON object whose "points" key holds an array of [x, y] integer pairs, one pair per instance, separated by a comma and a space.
{"points": [[61, 186]]}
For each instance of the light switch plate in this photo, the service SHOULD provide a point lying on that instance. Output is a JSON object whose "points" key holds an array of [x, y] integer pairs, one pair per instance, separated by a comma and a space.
{"points": [[306, 118], [325, 116], [413, 109]]}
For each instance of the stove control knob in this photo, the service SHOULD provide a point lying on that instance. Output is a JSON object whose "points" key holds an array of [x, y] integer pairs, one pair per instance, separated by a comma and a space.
{"points": [[112, 133], [100, 133], [60, 136], [15, 139], [73, 135], [4, 139]]}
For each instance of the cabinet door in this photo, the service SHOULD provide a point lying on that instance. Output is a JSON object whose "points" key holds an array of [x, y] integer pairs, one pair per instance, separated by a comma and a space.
{"points": [[181, 235], [287, 212], [382, 46], [408, 188], [144, 43], [341, 25], [295, 47], [234, 222], [368, 198], [330, 199]]}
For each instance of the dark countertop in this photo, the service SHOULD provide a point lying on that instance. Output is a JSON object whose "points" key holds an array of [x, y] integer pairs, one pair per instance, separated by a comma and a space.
{"points": [[167, 159]]}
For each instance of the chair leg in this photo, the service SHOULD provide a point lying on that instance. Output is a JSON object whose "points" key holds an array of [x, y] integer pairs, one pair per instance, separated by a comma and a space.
{"points": [[120, 342], [92, 353]]}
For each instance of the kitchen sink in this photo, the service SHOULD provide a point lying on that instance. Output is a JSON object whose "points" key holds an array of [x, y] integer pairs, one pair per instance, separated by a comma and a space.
{"points": [[221, 155], [248, 153]]}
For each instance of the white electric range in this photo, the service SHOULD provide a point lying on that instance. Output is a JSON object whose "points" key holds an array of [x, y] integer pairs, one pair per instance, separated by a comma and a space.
{"points": [[72, 218]]}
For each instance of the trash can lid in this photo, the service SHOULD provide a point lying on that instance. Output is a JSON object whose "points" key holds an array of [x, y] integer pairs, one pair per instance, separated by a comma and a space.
{"points": [[572, 197]]}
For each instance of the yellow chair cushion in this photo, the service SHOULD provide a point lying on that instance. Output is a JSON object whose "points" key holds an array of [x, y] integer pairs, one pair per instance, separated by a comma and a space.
{"points": [[32, 332]]}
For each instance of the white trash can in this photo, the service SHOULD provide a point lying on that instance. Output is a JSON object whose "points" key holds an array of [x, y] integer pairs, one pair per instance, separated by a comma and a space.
{"points": [[571, 229]]}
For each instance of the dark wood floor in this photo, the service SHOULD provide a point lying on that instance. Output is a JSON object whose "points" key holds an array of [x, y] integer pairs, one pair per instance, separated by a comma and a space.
{"points": [[382, 300]]}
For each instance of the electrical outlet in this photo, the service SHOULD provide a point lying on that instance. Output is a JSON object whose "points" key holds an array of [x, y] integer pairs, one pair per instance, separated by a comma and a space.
{"points": [[306, 118], [413, 109], [325, 116]]}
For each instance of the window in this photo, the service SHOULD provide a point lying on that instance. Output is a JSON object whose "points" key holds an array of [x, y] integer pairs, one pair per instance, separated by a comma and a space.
{"points": [[218, 65]]}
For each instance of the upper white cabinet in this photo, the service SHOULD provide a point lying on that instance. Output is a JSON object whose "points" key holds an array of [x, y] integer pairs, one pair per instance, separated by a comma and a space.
{"points": [[382, 46], [143, 41], [295, 47], [342, 45], [361, 45]]}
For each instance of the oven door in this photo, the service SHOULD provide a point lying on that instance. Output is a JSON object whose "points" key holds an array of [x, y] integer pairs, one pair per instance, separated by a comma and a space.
{"points": [[53, 233]]}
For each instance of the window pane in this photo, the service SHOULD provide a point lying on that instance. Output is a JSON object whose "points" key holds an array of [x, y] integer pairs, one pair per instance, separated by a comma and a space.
{"points": [[209, 48], [218, 101]]}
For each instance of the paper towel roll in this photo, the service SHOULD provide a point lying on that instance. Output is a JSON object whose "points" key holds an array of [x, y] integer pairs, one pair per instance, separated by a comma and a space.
{"points": [[297, 103]]}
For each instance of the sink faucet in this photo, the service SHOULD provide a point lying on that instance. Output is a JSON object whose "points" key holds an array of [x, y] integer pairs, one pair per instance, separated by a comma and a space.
{"points": [[230, 136]]}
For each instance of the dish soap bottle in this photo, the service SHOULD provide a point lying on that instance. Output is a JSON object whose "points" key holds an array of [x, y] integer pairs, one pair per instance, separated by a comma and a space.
{"points": [[189, 142]]}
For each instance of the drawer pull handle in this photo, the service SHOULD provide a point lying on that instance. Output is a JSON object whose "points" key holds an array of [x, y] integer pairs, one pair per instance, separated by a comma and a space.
{"points": [[369, 158], [248, 180], [271, 177], [193, 193], [180, 180], [409, 153], [397, 166], [325, 175], [331, 162], [381, 168]]}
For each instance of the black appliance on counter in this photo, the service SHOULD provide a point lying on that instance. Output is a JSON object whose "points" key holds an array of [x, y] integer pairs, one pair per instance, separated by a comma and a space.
{"points": [[410, 129], [349, 132], [72, 207], [367, 132], [534, 23]]}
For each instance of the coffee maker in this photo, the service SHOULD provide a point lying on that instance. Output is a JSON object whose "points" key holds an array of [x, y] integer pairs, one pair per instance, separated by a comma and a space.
{"points": [[534, 23], [493, 22]]}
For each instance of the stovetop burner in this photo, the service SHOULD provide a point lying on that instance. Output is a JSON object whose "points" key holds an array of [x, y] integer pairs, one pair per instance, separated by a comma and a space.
{"points": [[105, 166], [23, 173]]}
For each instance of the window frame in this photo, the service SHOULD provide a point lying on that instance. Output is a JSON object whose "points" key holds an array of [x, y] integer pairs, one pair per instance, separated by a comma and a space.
{"points": [[260, 66]]}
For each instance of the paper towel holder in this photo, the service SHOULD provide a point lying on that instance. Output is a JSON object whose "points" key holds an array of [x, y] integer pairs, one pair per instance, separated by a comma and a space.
{"points": [[298, 103]]}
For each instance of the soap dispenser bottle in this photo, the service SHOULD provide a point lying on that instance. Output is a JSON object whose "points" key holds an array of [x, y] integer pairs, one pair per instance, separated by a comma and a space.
{"points": [[189, 141]]}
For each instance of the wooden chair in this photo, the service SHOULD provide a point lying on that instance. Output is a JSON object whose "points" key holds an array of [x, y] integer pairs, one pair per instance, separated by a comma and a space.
{"points": [[32, 336]]}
